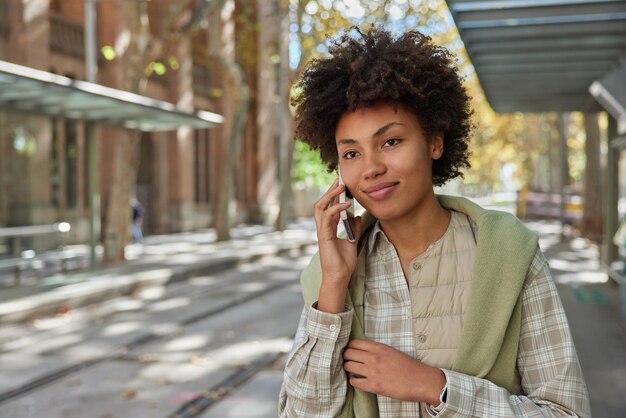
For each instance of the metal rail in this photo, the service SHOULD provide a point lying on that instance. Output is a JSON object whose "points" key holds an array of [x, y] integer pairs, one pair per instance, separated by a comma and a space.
{"points": [[140, 340], [32, 230]]}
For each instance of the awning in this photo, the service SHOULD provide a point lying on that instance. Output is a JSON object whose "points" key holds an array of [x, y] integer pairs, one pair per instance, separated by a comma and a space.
{"points": [[28, 90], [541, 55], [610, 92]]}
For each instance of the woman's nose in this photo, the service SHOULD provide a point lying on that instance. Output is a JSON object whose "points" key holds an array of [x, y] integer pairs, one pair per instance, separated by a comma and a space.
{"points": [[374, 167]]}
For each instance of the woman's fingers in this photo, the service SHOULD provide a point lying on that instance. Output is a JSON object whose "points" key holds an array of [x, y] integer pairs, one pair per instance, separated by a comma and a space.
{"points": [[328, 220], [351, 354], [327, 211], [355, 369], [329, 197], [354, 362]]}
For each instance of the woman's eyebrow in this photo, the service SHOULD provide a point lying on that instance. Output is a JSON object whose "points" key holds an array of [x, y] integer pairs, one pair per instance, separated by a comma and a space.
{"points": [[385, 128], [346, 141], [380, 131]]}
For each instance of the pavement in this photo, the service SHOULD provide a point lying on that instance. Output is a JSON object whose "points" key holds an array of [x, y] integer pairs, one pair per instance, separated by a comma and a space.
{"points": [[158, 260], [592, 301]]}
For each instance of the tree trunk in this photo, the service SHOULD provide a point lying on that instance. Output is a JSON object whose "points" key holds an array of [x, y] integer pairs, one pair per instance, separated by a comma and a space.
{"points": [[237, 98], [592, 209], [124, 154], [118, 217], [126, 145]]}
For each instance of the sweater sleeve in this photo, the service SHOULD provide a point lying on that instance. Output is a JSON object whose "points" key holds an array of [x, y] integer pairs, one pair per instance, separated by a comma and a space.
{"points": [[551, 377], [314, 383]]}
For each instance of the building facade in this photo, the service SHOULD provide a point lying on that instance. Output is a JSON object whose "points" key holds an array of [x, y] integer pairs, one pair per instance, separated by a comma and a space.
{"points": [[177, 174]]}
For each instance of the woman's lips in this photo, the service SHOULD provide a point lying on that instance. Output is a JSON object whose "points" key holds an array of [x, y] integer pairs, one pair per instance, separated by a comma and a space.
{"points": [[380, 191]]}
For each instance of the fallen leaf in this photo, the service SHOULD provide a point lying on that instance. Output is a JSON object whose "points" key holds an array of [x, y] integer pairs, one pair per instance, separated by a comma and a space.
{"points": [[63, 310], [72, 381], [148, 358], [129, 394], [200, 360]]}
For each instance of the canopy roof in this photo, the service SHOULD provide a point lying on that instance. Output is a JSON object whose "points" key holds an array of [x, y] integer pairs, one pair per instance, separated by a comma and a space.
{"points": [[34, 91], [542, 55]]}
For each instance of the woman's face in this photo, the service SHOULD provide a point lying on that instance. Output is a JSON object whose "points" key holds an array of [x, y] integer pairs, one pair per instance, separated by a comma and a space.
{"points": [[386, 161]]}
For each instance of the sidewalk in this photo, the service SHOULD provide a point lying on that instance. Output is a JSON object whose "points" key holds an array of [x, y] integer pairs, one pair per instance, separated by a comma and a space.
{"points": [[158, 260]]}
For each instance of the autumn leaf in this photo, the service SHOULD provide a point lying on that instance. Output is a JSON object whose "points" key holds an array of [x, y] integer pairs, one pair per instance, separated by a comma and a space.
{"points": [[129, 394]]}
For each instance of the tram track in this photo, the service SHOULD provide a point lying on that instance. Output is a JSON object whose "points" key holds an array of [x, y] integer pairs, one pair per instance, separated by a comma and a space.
{"points": [[123, 350], [216, 393]]}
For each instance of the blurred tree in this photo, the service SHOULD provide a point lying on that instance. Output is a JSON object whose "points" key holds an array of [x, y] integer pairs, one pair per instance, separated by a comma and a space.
{"points": [[500, 139], [592, 224], [236, 97], [149, 54], [308, 169]]}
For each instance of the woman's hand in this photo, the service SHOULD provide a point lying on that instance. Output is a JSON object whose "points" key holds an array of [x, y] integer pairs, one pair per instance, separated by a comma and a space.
{"points": [[383, 370], [337, 256]]}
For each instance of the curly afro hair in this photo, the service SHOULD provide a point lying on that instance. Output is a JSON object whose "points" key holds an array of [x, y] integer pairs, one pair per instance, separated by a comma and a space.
{"points": [[367, 67]]}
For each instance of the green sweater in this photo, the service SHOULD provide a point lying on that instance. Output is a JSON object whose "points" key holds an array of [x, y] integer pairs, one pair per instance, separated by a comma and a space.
{"points": [[505, 248]]}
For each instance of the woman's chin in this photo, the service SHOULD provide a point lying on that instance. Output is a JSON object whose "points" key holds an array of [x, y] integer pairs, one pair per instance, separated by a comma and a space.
{"points": [[382, 214]]}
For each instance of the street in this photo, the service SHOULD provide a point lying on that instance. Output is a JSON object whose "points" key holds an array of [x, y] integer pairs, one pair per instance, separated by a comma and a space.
{"points": [[149, 355]]}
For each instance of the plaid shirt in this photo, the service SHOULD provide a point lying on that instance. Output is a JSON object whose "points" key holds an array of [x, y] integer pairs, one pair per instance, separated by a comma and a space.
{"points": [[551, 379]]}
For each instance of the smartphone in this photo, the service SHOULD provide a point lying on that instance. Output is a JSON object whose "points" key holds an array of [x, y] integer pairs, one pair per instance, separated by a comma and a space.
{"points": [[344, 214]]}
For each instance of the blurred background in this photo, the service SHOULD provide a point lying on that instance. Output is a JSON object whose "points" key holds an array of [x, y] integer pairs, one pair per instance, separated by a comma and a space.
{"points": [[206, 137], [149, 143]]}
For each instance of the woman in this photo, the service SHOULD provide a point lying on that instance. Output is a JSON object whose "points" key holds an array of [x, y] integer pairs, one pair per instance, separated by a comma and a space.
{"points": [[440, 308]]}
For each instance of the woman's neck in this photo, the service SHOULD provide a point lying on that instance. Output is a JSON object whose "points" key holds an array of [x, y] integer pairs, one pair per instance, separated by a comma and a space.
{"points": [[413, 234]]}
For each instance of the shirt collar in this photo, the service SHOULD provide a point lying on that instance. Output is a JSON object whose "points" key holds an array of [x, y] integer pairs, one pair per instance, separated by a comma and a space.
{"points": [[375, 235]]}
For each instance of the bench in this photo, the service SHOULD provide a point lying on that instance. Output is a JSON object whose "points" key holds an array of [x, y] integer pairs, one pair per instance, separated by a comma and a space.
{"points": [[15, 234], [543, 205], [23, 260]]}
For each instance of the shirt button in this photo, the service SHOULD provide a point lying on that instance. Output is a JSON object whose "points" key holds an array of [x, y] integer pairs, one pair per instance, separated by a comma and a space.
{"points": [[421, 338], [333, 327], [417, 266]]}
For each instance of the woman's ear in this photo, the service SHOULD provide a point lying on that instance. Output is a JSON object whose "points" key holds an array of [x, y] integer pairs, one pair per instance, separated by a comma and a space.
{"points": [[436, 146]]}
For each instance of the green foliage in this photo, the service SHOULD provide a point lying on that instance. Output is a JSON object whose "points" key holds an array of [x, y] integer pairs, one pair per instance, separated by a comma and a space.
{"points": [[308, 168], [108, 52], [172, 61], [24, 142]]}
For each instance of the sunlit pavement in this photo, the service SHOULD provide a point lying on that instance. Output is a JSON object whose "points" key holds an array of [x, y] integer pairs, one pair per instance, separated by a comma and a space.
{"points": [[158, 260]]}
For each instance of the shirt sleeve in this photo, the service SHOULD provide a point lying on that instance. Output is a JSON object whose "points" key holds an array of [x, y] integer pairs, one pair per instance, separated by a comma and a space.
{"points": [[551, 377], [314, 382]]}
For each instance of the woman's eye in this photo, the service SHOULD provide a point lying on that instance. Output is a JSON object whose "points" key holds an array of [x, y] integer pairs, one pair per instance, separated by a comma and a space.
{"points": [[391, 142], [349, 155]]}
